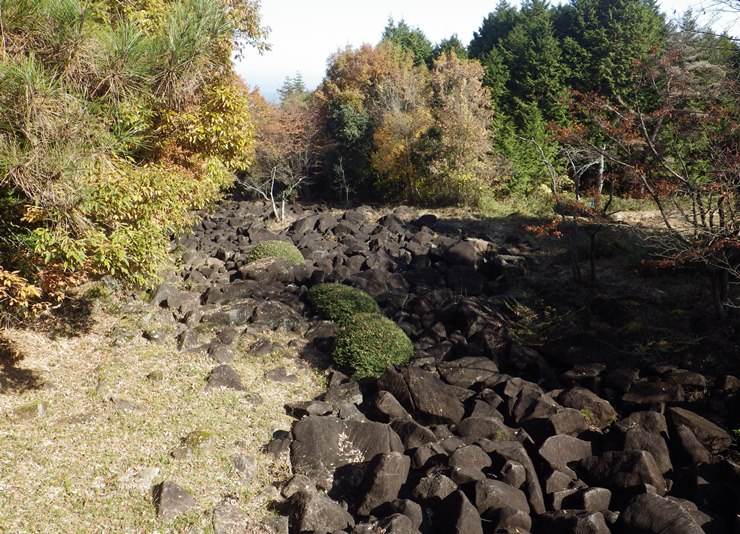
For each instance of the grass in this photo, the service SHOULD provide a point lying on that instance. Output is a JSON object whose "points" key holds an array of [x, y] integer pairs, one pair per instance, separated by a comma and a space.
{"points": [[62, 472]]}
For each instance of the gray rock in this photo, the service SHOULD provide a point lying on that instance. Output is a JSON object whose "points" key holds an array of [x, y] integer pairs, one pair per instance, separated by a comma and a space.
{"points": [[297, 483], [492, 494], [653, 514], [714, 438], [412, 434], [620, 470], [245, 467], [559, 451], [314, 512], [456, 514], [467, 371], [571, 522], [383, 480], [470, 457], [224, 377], [171, 500], [432, 489], [596, 410], [229, 519], [589, 499]]}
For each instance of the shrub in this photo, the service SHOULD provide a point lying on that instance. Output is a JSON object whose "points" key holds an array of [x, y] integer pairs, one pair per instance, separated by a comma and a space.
{"points": [[276, 249], [367, 343], [338, 302]]}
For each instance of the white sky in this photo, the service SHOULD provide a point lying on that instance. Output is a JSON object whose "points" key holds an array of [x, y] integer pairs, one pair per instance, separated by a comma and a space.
{"points": [[306, 32]]}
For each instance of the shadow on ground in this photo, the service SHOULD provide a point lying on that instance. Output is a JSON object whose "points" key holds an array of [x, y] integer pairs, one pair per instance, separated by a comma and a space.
{"points": [[13, 377]]}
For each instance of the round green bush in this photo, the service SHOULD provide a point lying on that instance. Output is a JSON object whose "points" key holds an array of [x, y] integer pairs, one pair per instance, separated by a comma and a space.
{"points": [[276, 249], [367, 343], [338, 302]]}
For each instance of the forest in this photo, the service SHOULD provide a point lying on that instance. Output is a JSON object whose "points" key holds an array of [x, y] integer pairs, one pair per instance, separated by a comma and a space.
{"points": [[119, 119]]}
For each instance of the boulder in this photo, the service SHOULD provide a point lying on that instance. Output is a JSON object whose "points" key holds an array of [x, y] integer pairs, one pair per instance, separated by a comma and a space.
{"points": [[621, 470], [652, 514], [314, 512], [384, 477], [714, 438]]}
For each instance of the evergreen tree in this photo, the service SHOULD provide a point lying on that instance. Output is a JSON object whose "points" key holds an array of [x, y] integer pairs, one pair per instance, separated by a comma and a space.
{"points": [[410, 39], [451, 44], [495, 27]]}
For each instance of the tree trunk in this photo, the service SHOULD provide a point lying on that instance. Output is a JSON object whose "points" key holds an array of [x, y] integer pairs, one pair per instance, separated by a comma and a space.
{"points": [[720, 287], [600, 176]]}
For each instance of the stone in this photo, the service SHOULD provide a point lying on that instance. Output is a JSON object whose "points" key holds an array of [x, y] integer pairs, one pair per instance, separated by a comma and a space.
{"points": [[384, 477], [571, 522], [507, 519], [429, 451], [386, 405], [642, 440], [410, 509], [513, 474], [304, 408], [322, 444], [491, 494], [432, 489], [280, 374], [462, 253], [224, 377], [465, 372], [28, 411], [412, 434], [138, 478], [456, 514], [596, 410], [589, 499], [470, 457], [342, 393], [171, 500], [621, 470], [688, 448], [559, 451], [314, 512], [297, 483], [229, 519], [245, 467], [432, 398], [502, 451], [644, 393], [714, 438], [220, 352], [484, 428], [653, 514]]}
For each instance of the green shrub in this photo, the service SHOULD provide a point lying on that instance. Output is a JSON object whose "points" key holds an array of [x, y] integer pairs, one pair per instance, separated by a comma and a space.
{"points": [[338, 302], [276, 249], [367, 343]]}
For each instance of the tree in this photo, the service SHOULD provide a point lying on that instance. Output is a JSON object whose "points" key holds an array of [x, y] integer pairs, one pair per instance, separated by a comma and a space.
{"points": [[459, 145], [496, 26], [409, 39], [682, 151], [451, 44], [287, 148]]}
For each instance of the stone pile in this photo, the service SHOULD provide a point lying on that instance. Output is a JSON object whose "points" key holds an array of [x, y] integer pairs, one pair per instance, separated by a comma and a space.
{"points": [[479, 433]]}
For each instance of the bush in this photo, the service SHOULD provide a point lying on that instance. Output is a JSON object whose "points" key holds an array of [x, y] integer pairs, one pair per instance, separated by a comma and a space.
{"points": [[367, 343], [276, 249], [338, 302]]}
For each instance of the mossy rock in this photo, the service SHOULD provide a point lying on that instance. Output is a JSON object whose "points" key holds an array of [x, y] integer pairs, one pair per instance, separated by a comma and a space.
{"points": [[276, 249], [338, 302], [367, 343]]}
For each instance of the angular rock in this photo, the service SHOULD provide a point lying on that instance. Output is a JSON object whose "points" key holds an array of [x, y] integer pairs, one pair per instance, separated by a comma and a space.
{"points": [[224, 377], [384, 477], [322, 444], [412, 434], [171, 500], [559, 451], [467, 371], [484, 428], [229, 519], [622, 470], [597, 410], [641, 440], [432, 489], [456, 515], [489, 493], [314, 512], [571, 522], [245, 467], [714, 438], [687, 448], [432, 398], [387, 405], [589, 499], [653, 514], [470, 457], [500, 452], [506, 519]]}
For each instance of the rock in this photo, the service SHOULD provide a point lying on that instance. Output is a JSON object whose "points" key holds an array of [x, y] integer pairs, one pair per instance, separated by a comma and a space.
{"points": [[502, 451], [28, 411], [559, 451], [621, 470], [388, 407], [589, 499], [653, 514], [513, 474], [322, 444], [245, 467], [431, 398], [297, 483], [304, 408], [429, 451], [229, 519], [314, 512], [641, 440], [171, 500], [714, 438], [506, 519], [412, 434], [492, 494], [470, 457], [220, 352], [456, 515], [644, 393], [280, 374], [571, 522], [647, 420], [687, 448], [138, 478], [432, 489], [408, 508], [342, 393], [596, 410], [462, 253], [483, 428], [224, 377], [467, 371], [384, 477]]}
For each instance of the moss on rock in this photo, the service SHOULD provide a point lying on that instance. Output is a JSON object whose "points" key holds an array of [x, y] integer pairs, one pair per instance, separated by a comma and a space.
{"points": [[276, 249], [367, 343], [338, 302]]}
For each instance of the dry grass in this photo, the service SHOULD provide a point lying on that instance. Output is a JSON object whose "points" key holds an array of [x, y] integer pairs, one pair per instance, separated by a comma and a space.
{"points": [[62, 471]]}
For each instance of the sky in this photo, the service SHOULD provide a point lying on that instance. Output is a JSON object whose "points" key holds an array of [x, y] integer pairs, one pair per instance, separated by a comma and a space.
{"points": [[304, 33]]}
